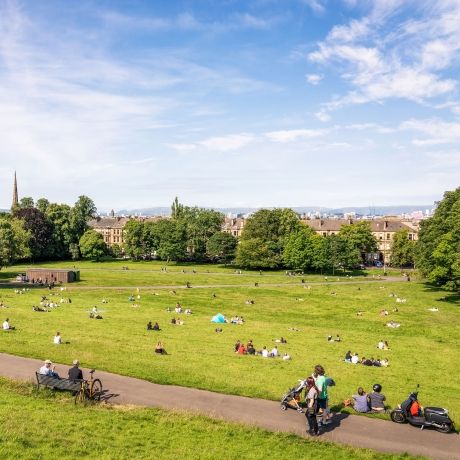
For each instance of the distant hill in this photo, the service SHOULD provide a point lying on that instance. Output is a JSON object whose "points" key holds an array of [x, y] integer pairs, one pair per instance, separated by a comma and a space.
{"points": [[359, 210]]}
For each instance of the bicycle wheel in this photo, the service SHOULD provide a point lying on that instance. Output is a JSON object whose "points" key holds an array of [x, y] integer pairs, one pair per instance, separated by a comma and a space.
{"points": [[80, 397], [96, 389]]}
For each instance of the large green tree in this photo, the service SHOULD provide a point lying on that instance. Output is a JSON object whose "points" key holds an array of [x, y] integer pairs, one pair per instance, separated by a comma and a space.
{"points": [[92, 245], [438, 247], [221, 247], [60, 216], [40, 229], [83, 210], [270, 229], [134, 244], [402, 249], [14, 241], [299, 249]]}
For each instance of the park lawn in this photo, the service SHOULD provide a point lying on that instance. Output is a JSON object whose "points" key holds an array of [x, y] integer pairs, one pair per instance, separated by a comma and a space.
{"points": [[46, 424], [425, 349], [148, 273]]}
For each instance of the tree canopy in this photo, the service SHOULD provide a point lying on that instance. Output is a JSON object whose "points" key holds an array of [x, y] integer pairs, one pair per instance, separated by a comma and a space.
{"points": [[438, 247]]}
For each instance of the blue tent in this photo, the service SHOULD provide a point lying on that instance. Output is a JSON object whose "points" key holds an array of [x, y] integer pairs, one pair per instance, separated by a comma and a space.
{"points": [[219, 318]]}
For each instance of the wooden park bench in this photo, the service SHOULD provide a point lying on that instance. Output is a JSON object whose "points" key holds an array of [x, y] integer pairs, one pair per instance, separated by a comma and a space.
{"points": [[57, 383]]}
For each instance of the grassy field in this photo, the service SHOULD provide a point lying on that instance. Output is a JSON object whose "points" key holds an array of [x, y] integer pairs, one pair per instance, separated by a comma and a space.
{"points": [[425, 349], [44, 425], [110, 273]]}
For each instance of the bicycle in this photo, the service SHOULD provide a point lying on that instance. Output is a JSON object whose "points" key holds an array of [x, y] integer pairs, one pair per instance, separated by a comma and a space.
{"points": [[90, 390]]}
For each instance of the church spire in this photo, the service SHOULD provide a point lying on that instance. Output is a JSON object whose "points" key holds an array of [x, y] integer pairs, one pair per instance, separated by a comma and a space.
{"points": [[15, 192]]}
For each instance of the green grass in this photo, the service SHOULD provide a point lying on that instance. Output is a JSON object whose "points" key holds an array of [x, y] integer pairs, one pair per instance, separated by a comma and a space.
{"points": [[110, 274], [425, 349], [48, 425]]}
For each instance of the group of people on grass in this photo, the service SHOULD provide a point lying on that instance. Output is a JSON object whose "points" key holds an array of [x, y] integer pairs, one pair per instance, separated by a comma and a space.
{"points": [[368, 402], [249, 349], [353, 358]]}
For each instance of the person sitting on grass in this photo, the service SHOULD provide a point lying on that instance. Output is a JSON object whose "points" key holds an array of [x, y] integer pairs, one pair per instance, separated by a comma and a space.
{"points": [[360, 401], [7, 326], [237, 346], [250, 349], [219, 329], [381, 345], [156, 327], [159, 348], [281, 340], [264, 352], [337, 338], [366, 362], [330, 339], [376, 399], [173, 321], [241, 349], [274, 353], [348, 356], [48, 369], [57, 339], [384, 362], [286, 357]]}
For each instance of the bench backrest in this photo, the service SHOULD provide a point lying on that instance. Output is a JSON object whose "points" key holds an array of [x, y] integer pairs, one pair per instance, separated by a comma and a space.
{"points": [[54, 382]]}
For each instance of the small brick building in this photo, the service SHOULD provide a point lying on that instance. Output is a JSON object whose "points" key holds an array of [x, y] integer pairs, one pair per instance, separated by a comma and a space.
{"points": [[50, 275]]}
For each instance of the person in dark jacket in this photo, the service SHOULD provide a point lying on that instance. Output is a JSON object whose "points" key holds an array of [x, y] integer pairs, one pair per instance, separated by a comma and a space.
{"points": [[75, 372]]}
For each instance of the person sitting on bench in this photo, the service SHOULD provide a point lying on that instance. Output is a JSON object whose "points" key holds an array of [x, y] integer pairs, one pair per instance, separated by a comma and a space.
{"points": [[75, 372], [48, 369]]}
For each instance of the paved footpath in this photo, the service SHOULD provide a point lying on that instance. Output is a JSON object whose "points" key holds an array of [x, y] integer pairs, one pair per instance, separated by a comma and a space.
{"points": [[353, 430]]}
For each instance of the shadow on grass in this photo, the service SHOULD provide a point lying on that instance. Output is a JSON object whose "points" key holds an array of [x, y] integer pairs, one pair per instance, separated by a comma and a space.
{"points": [[449, 296]]}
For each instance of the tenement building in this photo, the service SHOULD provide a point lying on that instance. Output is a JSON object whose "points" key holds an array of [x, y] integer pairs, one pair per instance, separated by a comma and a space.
{"points": [[111, 228], [383, 229]]}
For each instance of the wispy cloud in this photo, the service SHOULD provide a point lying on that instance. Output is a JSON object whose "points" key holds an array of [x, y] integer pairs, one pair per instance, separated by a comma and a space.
{"points": [[404, 63], [294, 134], [313, 78]]}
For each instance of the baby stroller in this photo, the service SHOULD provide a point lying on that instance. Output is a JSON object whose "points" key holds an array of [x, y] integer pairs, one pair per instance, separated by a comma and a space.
{"points": [[292, 397]]}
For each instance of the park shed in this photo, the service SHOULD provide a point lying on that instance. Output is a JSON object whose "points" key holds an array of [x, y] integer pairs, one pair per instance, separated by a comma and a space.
{"points": [[50, 275]]}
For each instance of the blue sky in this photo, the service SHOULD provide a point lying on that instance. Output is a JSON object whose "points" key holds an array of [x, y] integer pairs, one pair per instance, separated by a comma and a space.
{"points": [[230, 103]]}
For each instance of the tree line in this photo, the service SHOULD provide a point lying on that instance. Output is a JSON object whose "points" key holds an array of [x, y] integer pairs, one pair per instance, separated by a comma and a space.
{"points": [[271, 239]]}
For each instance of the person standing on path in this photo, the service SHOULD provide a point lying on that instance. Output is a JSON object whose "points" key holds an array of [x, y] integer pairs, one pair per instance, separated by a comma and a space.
{"points": [[312, 406], [321, 385]]}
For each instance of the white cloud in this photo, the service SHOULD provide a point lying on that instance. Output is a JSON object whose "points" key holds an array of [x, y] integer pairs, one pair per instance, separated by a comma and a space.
{"points": [[316, 5], [182, 147], [314, 78], [229, 142], [294, 134], [323, 116], [403, 61], [433, 131]]}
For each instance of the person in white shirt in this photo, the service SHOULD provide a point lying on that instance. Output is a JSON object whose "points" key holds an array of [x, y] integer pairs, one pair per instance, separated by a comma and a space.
{"points": [[286, 357], [265, 352], [48, 369], [7, 326], [274, 352], [381, 345], [355, 359], [57, 338]]}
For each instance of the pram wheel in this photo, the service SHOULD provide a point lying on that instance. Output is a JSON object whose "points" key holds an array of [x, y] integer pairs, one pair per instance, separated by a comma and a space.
{"points": [[283, 407]]}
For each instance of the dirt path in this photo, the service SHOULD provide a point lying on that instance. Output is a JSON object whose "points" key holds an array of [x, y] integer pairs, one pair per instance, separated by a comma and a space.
{"points": [[357, 431]]}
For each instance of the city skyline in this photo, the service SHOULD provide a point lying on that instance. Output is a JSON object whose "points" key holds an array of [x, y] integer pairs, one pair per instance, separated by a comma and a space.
{"points": [[295, 103]]}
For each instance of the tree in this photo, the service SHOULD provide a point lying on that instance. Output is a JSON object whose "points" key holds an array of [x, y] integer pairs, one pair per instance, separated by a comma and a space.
{"points": [[40, 229], [63, 231], [270, 229], [83, 210], [359, 236], [14, 241], [176, 208], [134, 239], [26, 202], [402, 249], [256, 253], [74, 251], [222, 247], [438, 247], [299, 249], [92, 245], [42, 205], [173, 240], [200, 224]]}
